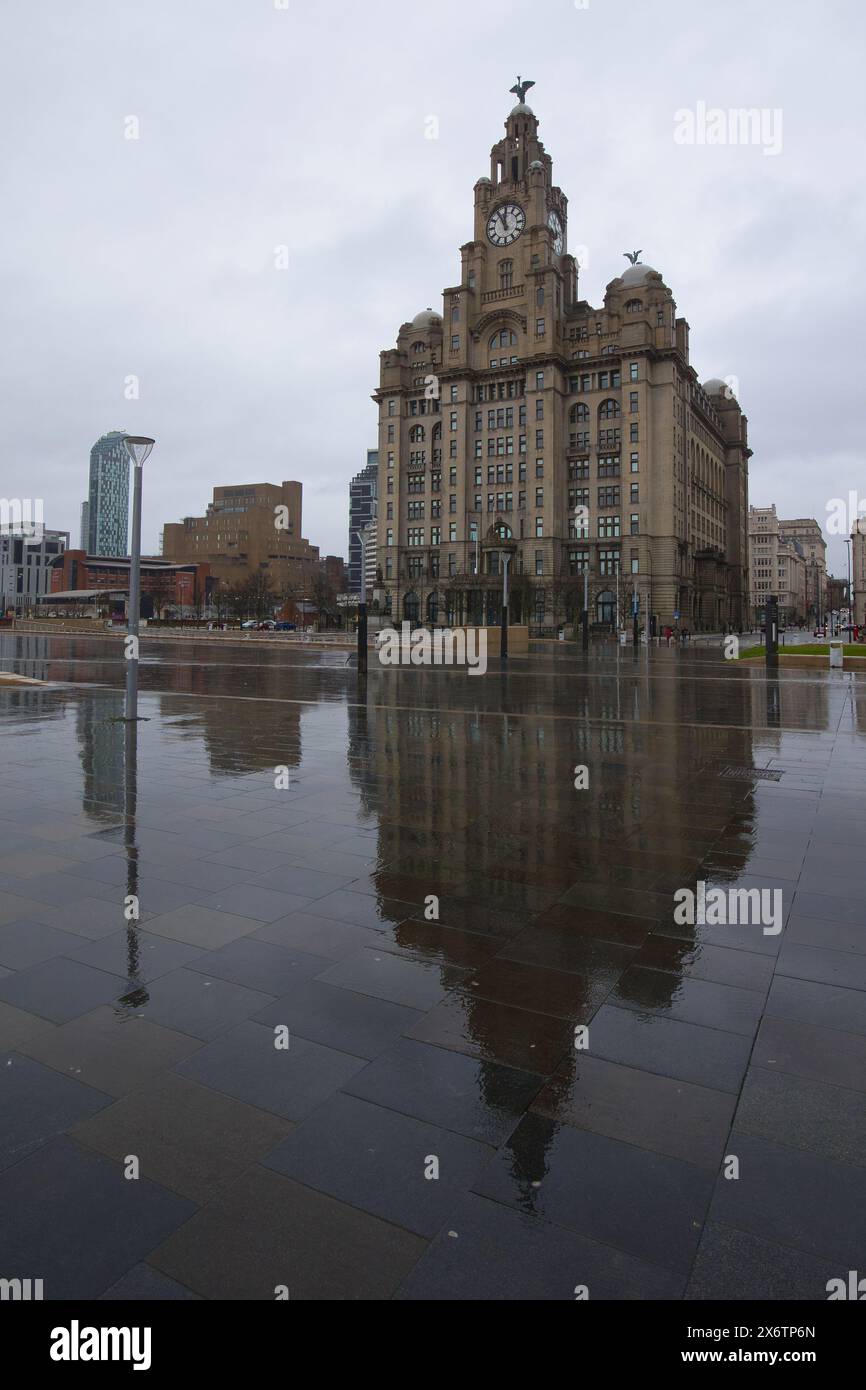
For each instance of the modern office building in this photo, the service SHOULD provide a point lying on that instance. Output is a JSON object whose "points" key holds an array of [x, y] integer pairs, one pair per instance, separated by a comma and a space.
{"points": [[84, 527], [107, 502], [249, 527], [369, 537], [363, 492], [777, 567], [808, 532], [524, 421], [26, 566]]}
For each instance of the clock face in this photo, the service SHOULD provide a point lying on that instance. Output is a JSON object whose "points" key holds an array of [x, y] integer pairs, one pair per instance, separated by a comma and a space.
{"points": [[506, 224], [555, 225]]}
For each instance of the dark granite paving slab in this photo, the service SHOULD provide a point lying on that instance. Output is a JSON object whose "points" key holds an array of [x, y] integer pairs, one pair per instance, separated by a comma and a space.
{"points": [[827, 1120], [206, 877], [114, 1051], [293, 1081], [691, 1000], [60, 990], [382, 1162], [555, 992], [818, 1054], [354, 1023], [415, 984], [638, 1107], [482, 1100], [259, 965], [795, 1198], [701, 961], [247, 900], [303, 883], [832, 936], [830, 907], [825, 1006], [317, 936], [80, 1195], [360, 910], [496, 1032], [194, 1003], [142, 1283], [646, 1204], [134, 954], [845, 968], [187, 1138], [734, 1265], [491, 1253], [37, 1103], [687, 1051], [595, 923], [18, 1025], [438, 945], [202, 926], [266, 1232], [600, 961], [25, 943]]}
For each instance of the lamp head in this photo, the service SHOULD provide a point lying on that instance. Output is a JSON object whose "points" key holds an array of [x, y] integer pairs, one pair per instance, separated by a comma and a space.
{"points": [[138, 446]]}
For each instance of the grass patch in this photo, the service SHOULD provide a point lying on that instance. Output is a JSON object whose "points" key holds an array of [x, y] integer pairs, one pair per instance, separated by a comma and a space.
{"points": [[807, 649]]}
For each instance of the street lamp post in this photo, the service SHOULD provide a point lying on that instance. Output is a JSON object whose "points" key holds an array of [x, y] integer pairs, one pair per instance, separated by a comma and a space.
{"points": [[138, 448]]}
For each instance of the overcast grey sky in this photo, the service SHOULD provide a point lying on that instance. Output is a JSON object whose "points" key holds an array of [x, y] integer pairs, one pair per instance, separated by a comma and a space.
{"points": [[304, 126]]}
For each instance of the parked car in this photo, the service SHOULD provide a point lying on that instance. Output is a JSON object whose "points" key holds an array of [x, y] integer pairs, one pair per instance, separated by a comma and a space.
{"points": [[267, 626], [249, 627], [819, 632], [286, 627]]}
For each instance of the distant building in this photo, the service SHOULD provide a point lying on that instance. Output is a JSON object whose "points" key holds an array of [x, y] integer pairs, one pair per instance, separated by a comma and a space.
{"points": [[334, 569], [369, 535], [81, 580], [363, 492], [858, 561], [808, 532], [84, 528], [108, 497], [777, 566], [249, 527], [25, 566]]}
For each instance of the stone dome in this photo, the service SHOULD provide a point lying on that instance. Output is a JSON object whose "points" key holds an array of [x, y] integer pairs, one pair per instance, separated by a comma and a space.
{"points": [[484, 179], [636, 274], [536, 164], [427, 319], [521, 109], [714, 387]]}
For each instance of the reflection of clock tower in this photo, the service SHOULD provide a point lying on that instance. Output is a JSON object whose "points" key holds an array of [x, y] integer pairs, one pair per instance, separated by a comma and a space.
{"points": [[577, 439]]}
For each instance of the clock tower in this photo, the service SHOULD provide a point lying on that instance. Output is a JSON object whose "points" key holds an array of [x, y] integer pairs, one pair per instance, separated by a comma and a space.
{"points": [[578, 440]]}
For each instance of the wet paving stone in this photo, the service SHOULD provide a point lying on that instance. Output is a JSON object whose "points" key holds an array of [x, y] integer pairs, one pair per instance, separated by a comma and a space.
{"points": [[38, 1103], [187, 1138], [134, 954], [794, 1198], [193, 1003], [266, 1232], [480, 1099], [555, 992], [827, 1120], [358, 1024], [733, 1264], [826, 1006], [415, 984], [78, 1192], [818, 1054], [491, 1253], [30, 943], [686, 1051], [720, 964], [654, 1112], [144, 1284], [380, 1161], [823, 966], [691, 1000], [535, 1173], [113, 1051], [60, 990], [258, 964], [289, 1081], [496, 1032], [202, 926]]}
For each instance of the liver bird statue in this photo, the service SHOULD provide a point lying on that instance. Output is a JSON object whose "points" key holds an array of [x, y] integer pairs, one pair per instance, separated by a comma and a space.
{"points": [[633, 256], [522, 88]]}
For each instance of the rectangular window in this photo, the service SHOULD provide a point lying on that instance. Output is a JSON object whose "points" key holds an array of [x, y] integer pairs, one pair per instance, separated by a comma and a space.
{"points": [[539, 562], [452, 451], [452, 531], [633, 434], [435, 535], [454, 419], [539, 468], [578, 561], [632, 371], [539, 527], [539, 327], [392, 407], [455, 342], [454, 388], [633, 402], [635, 463], [539, 497], [634, 524], [539, 439], [608, 526], [452, 503], [539, 410], [635, 491], [608, 561], [389, 537], [539, 376]]}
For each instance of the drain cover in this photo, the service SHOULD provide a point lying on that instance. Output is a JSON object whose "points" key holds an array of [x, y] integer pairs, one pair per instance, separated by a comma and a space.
{"points": [[764, 774]]}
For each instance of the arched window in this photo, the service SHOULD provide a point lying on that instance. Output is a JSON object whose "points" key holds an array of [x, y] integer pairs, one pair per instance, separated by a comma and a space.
{"points": [[502, 531], [608, 410], [437, 432], [605, 607], [503, 338], [634, 306], [419, 347], [578, 412], [434, 607], [506, 275], [417, 434], [410, 607]]}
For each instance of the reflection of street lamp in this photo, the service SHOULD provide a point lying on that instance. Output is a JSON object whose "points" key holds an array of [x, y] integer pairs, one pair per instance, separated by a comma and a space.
{"points": [[138, 447], [503, 649]]}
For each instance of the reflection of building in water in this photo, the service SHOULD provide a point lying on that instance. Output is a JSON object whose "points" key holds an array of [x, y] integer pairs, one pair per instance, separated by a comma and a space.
{"points": [[100, 747], [270, 730], [479, 807]]}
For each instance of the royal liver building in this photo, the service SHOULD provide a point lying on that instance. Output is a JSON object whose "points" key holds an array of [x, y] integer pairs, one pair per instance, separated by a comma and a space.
{"points": [[521, 421]]}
